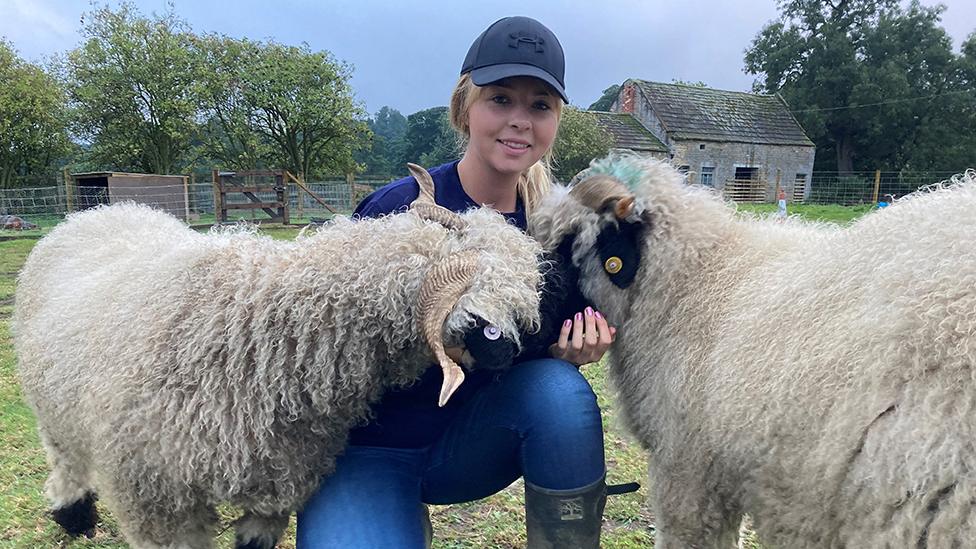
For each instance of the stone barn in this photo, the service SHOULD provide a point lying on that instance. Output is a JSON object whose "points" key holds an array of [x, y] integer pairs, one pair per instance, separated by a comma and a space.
{"points": [[741, 143]]}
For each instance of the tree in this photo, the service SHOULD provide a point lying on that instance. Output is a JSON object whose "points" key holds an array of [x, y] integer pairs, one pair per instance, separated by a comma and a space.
{"points": [[580, 140], [132, 86], [389, 124], [944, 138], [33, 119], [389, 129], [302, 102], [868, 80], [606, 100], [430, 140], [229, 135], [269, 104]]}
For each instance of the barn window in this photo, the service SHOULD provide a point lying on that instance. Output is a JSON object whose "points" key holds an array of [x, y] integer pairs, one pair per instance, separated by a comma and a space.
{"points": [[708, 175], [701, 147]]}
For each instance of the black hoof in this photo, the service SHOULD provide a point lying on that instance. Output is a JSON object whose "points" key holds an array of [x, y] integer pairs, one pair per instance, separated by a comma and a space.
{"points": [[79, 518]]}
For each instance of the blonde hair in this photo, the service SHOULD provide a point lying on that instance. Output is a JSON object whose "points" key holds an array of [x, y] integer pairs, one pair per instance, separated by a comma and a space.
{"points": [[534, 182]]}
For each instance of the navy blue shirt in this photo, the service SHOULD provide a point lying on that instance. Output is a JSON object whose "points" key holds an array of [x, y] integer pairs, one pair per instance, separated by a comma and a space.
{"points": [[410, 417]]}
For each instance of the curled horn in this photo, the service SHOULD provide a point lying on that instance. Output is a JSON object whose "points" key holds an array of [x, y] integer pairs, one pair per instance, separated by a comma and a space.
{"points": [[443, 286], [601, 192], [424, 205]]}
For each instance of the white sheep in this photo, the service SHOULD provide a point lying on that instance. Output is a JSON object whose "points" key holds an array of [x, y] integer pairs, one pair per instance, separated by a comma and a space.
{"points": [[171, 370], [820, 378]]}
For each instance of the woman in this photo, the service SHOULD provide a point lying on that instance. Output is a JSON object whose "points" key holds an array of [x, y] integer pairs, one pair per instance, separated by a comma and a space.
{"points": [[538, 420]]}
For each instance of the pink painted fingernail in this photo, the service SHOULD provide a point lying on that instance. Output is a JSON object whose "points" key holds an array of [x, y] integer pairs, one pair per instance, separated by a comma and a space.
{"points": [[567, 323], [589, 311], [579, 316], [598, 315]]}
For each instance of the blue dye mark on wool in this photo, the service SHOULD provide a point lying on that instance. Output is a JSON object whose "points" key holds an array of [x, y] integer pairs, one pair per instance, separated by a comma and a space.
{"points": [[620, 167]]}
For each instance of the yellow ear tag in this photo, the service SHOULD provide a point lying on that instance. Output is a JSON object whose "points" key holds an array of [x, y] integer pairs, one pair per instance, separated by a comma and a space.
{"points": [[613, 264]]}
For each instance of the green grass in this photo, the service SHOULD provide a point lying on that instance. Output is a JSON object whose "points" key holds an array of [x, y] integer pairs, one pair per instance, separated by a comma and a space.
{"points": [[813, 212], [496, 521]]}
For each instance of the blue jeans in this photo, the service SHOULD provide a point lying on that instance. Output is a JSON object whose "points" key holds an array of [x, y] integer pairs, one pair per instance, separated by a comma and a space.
{"points": [[539, 420]]}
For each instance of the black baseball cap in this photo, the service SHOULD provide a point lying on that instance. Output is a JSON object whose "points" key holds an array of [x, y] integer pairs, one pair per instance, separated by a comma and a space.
{"points": [[516, 46]]}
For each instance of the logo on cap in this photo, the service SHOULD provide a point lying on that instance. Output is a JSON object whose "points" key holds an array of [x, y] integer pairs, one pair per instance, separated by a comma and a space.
{"points": [[517, 38]]}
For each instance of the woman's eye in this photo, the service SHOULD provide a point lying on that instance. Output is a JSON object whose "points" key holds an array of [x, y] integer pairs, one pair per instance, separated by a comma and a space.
{"points": [[492, 332], [542, 106], [500, 99]]}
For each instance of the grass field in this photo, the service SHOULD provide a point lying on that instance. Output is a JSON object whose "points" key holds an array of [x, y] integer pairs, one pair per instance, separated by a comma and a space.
{"points": [[814, 212], [493, 522]]}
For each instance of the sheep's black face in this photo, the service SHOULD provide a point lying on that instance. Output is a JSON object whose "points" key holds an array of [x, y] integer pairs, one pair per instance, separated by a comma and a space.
{"points": [[487, 348], [618, 246]]}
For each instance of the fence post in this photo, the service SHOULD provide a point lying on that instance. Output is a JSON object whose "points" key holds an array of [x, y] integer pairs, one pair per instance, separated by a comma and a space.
{"points": [[69, 191], [281, 183], [298, 193], [877, 186], [216, 192], [351, 180], [186, 199]]}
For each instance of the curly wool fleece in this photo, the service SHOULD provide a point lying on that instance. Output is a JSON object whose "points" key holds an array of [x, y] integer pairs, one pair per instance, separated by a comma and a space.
{"points": [[171, 370], [819, 378]]}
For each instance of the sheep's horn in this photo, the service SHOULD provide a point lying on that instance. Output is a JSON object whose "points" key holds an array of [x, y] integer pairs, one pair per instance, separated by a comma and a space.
{"points": [[443, 286], [425, 206], [601, 192], [624, 207]]}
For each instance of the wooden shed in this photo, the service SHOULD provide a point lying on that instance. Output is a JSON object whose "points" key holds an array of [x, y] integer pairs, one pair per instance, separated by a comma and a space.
{"points": [[169, 193]]}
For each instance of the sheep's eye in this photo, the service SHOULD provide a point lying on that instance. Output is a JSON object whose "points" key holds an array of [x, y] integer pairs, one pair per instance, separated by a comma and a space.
{"points": [[492, 332], [613, 264]]}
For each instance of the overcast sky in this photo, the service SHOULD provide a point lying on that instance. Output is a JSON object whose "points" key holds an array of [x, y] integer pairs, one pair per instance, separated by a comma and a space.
{"points": [[408, 54]]}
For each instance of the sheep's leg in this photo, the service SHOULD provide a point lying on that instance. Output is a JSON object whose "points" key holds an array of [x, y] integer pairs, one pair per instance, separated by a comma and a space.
{"points": [[688, 514], [254, 531], [69, 491], [189, 529]]}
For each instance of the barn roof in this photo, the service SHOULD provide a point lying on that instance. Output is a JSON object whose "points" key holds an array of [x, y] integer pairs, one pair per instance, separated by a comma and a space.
{"points": [[628, 132], [692, 112]]}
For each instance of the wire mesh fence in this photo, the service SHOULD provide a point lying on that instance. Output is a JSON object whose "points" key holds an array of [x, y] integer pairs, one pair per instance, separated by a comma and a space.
{"points": [[867, 187], [194, 202], [835, 188]]}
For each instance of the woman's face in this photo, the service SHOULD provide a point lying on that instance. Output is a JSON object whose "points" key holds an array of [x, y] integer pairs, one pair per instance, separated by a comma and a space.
{"points": [[512, 124]]}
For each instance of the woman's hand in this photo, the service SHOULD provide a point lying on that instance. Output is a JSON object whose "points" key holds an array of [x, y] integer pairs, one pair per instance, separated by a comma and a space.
{"points": [[583, 339]]}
